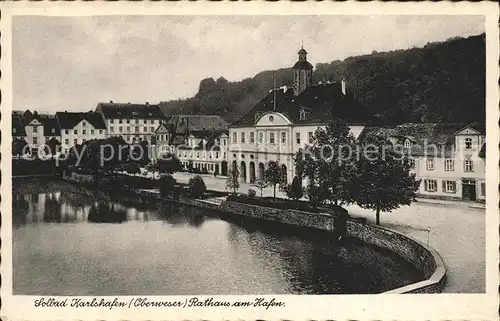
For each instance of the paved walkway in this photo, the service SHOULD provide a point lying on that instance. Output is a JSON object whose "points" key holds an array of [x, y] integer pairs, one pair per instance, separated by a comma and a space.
{"points": [[455, 229]]}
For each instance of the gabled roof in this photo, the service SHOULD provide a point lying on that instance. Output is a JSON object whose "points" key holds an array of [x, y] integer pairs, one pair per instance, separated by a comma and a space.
{"points": [[322, 101], [68, 120], [191, 123], [129, 111], [51, 127]]}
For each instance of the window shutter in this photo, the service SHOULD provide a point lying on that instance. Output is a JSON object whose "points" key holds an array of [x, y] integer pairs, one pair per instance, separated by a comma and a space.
{"points": [[425, 186], [454, 187], [444, 185]]}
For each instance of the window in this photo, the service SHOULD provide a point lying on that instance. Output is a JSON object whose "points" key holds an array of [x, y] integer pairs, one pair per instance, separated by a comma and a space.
{"points": [[411, 161], [261, 137], [128, 129], [66, 131], [283, 137], [216, 154], [197, 154], [483, 189], [137, 121], [468, 143], [128, 121], [75, 141], [430, 185], [112, 129], [84, 132], [66, 141], [35, 140], [449, 186], [75, 132], [185, 154], [136, 129], [242, 138], [430, 164], [35, 129], [235, 138], [271, 138], [92, 131], [468, 166], [84, 124], [224, 142], [297, 138], [407, 143], [252, 137], [111, 121], [100, 131], [449, 165], [144, 129], [120, 121], [120, 129], [152, 129], [310, 135]]}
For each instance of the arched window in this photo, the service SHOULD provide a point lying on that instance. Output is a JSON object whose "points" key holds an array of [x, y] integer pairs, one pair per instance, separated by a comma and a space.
{"points": [[407, 143]]}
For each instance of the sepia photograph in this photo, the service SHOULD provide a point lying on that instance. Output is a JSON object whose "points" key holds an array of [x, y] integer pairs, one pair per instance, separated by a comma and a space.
{"points": [[214, 155]]}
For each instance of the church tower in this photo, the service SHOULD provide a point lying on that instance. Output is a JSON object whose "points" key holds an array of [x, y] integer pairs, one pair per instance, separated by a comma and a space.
{"points": [[302, 73]]}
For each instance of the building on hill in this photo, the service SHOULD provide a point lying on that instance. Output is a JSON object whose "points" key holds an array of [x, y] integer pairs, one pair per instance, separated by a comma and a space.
{"points": [[77, 128], [200, 141], [446, 158], [285, 121], [132, 122]]}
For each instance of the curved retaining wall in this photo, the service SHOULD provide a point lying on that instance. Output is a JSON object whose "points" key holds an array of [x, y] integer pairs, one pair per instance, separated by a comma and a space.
{"points": [[423, 257]]}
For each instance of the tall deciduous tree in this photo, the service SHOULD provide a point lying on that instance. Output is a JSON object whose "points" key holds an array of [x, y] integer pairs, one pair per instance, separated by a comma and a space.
{"points": [[273, 176], [383, 177], [232, 179], [260, 184], [329, 164]]}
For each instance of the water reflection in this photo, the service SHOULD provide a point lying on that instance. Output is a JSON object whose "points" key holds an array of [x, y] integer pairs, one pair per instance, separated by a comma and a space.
{"points": [[163, 248]]}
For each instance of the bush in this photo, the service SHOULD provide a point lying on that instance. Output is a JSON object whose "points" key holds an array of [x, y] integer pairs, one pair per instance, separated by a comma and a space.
{"points": [[252, 193], [284, 204], [197, 187], [294, 191], [167, 186]]}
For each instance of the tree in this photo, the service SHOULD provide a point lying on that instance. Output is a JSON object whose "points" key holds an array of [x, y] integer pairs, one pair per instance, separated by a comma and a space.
{"points": [[197, 187], [273, 176], [383, 178], [132, 168], [329, 164], [18, 146], [167, 185], [260, 184], [168, 163], [295, 190], [232, 181]]}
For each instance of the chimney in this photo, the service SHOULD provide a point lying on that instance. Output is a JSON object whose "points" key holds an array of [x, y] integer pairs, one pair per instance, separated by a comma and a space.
{"points": [[343, 86]]}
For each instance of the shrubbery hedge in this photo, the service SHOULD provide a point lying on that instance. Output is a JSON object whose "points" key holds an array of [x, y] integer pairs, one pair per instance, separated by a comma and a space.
{"points": [[281, 203], [34, 167]]}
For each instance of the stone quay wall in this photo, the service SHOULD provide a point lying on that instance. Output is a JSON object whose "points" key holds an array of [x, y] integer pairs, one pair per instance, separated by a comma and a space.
{"points": [[422, 256]]}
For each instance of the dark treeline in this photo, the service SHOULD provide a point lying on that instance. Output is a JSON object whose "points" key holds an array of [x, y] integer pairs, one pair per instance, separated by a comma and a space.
{"points": [[441, 82]]}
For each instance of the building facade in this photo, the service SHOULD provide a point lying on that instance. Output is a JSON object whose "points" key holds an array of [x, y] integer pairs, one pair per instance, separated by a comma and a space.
{"points": [[285, 121], [199, 141], [133, 122], [77, 128]]}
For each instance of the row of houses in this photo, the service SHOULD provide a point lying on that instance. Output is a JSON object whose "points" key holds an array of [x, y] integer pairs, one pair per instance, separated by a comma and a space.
{"points": [[447, 158]]}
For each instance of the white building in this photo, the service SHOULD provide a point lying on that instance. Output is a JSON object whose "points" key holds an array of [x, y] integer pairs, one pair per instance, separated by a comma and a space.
{"points": [[77, 128], [36, 130], [285, 121], [199, 141], [447, 158], [132, 122]]}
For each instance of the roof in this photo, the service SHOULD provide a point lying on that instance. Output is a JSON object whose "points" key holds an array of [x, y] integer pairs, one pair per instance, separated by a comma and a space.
{"points": [[129, 111], [302, 51], [303, 64], [51, 127], [17, 126], [197, 123], [321, 102], [68, 120], [432, 139]]}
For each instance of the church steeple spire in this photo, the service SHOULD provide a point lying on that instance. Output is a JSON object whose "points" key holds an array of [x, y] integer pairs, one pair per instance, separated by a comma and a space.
{"points": [[302, 72]]}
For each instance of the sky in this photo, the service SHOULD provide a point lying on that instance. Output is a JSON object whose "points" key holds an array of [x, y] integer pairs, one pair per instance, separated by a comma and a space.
{"points": [[72, 63]]}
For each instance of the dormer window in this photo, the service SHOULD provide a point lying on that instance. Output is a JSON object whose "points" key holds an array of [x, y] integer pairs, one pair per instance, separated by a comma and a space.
{"points": [[407, 143], [302, 114], [14, 130], [53, 130], [134, 113]]}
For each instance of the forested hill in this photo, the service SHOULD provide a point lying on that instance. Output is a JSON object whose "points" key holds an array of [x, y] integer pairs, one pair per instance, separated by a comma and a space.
{"points": [[441, 82]]}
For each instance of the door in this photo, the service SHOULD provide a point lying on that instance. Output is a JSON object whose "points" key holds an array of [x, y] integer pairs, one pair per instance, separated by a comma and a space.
{"points": [[468, 190]]}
